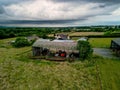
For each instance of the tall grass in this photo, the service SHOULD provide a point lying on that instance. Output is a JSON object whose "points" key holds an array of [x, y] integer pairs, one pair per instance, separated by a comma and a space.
{"points": [[18, 72], [109, 73]]}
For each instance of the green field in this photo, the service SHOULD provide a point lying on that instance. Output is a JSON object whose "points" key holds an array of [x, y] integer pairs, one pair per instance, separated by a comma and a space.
{"points": [[109, 74], [18, 72], [100, 42]]}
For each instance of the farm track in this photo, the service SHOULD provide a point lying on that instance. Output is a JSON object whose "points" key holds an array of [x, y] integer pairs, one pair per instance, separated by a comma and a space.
{"points": [[106, 53]]}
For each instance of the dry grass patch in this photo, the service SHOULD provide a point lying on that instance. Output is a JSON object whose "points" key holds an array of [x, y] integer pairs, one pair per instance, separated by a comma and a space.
{"points": [[86, 33]]}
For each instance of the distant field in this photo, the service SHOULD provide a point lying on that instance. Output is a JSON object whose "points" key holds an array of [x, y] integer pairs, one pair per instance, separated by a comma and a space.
{"points": [[80, 33], [86, 33], [100, 42]]}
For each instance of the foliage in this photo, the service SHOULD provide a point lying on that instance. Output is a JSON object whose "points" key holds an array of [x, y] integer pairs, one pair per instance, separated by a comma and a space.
{"points": [[107, 33], [85, 49], [42, 35], [9, 32], [21, 42]]}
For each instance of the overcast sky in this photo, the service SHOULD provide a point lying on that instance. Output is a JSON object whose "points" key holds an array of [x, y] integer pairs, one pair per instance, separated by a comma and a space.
{"points": [[59, 12]]}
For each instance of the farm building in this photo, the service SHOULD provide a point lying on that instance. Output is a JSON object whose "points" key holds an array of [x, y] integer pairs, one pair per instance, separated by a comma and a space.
{"points": [[62, 48], [33, 37], [61, 37], [115, 46]]}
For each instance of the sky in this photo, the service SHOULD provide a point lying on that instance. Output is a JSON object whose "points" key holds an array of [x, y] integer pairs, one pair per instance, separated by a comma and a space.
{"points": [[50, 13]]}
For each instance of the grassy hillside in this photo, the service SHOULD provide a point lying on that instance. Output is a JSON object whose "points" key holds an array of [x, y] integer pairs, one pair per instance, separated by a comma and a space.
{"points": [[18, 72]]}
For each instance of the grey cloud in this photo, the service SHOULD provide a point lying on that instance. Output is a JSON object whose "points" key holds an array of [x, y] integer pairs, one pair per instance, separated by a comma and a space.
{"points": [[36, 21], [1, 10], [107, 7], [95, 1]]}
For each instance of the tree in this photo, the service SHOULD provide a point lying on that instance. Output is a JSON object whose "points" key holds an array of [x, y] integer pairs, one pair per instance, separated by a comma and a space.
{"points": [[21, 42], [85, 49], [2, 34]]}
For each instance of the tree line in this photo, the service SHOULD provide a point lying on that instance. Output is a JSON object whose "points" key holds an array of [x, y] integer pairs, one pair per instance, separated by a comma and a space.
{"points": [[9, 32]]}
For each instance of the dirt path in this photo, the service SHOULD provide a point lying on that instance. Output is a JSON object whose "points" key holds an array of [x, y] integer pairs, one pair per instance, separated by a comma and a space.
{"points": [[106, 53]]}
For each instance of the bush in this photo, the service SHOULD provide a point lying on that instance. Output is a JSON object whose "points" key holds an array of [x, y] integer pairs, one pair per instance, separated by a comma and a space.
{"points": [[21, 42], [85, 49]]}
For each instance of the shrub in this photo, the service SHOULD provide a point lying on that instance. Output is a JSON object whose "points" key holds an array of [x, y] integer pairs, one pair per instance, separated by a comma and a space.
{"points": [[85, 49], [21, 42]]}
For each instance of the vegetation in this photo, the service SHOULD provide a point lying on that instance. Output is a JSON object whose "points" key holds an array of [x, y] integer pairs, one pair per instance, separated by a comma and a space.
{"points": [[100, 42], [21, 42], [85, 49], [9, 32], [109, 73], [17, 71]]}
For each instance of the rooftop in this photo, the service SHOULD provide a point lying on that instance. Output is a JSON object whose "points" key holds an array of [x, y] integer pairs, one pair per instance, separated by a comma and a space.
{"points": [[117, 41], [56, 44]]}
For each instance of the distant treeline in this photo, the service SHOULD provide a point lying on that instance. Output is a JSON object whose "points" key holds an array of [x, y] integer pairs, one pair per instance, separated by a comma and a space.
{"points": [[8, 32]]}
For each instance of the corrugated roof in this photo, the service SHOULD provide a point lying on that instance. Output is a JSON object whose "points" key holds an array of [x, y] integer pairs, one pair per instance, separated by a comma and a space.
{"points": [[117, 41], [56, 44]]}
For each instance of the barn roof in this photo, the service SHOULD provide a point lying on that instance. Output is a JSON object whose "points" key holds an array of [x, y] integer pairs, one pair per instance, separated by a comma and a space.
{"points": [[117, 41], [56, 44]]}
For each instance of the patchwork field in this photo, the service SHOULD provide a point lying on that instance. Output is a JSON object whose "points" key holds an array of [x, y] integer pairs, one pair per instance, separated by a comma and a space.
{"points": [[18, 72], [86, 33], [80, 34]]}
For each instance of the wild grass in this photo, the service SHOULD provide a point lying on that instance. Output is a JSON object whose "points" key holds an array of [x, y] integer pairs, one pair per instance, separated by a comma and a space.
{"points": [[109, 73], [18, 72]]}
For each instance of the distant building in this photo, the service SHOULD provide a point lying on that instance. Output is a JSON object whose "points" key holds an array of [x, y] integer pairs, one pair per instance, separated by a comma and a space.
{"points": [[61, 37], [83, 39], [115, 46], [33, 37]]}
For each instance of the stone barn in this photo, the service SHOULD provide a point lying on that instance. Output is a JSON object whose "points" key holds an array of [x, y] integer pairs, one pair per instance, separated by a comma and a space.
{"points": [[62, 48]]}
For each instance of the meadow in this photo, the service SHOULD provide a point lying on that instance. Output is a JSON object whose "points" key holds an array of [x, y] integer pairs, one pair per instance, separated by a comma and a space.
{"points": [[19, 72], [100, 42]]}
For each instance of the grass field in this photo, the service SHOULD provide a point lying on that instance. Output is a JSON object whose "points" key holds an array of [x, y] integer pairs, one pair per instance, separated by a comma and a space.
{"points": [[100, 42], [18, 72], [109, 74]]}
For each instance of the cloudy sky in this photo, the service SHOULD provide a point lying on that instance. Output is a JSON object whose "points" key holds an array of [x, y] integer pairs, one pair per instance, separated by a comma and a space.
{"points": [[59, 12]]}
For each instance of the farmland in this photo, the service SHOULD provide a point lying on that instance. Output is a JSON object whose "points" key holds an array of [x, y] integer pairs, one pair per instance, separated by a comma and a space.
{"points": [[86, 33], [109, 73], [79, 34], [100, 42], [17, 71]]}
